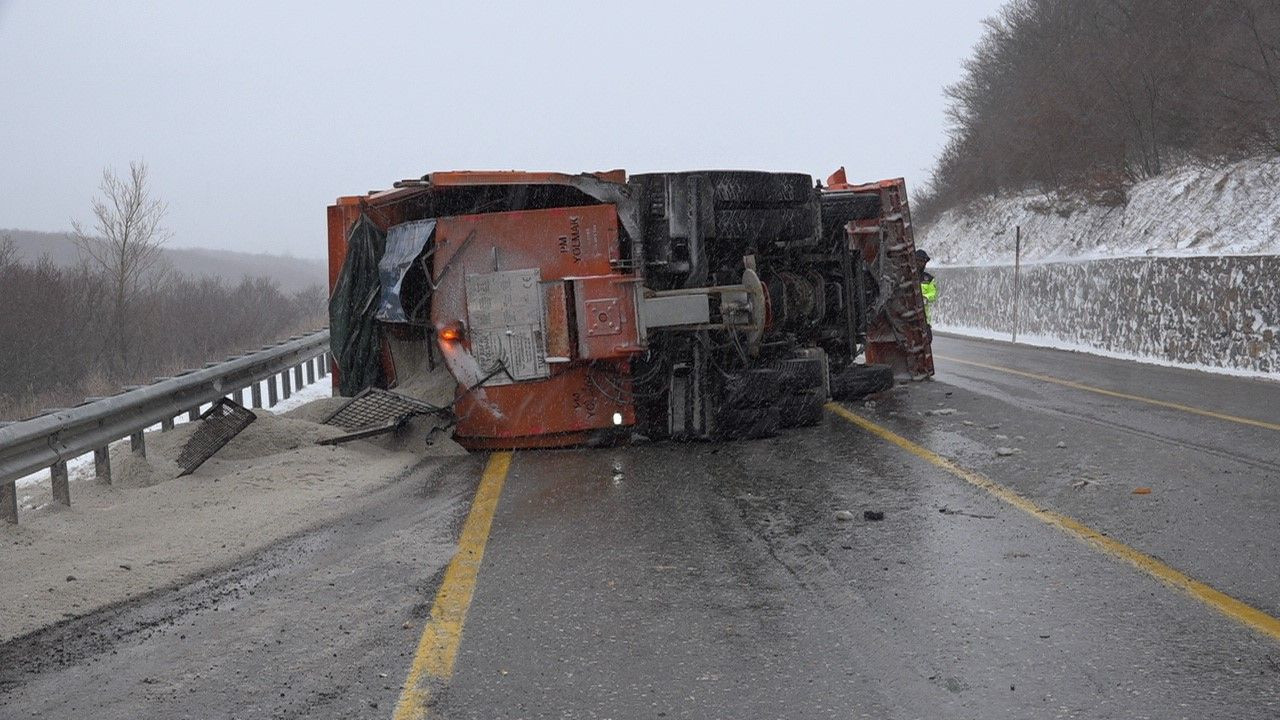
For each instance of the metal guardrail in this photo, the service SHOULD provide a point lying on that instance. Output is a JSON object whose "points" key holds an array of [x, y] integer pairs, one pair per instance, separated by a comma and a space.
{"points": [[50, 440]]}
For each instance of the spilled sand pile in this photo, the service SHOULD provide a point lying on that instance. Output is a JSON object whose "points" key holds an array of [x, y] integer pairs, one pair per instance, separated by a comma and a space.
{"points": [[150, 528]]}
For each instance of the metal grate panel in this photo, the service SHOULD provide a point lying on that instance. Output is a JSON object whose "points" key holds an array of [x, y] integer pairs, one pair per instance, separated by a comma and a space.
{"points": [[218, 425], [377, 407]]}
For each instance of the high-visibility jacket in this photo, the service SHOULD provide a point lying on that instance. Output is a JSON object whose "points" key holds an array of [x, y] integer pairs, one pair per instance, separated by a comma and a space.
{"points": [[929, 289]]}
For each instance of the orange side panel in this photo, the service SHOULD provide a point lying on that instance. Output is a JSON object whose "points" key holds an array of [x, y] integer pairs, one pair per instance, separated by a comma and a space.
{"points": [[577, 400], [561, 243], [341, 217]]}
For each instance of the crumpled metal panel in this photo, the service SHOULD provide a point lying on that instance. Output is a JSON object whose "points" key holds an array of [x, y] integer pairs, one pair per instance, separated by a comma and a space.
{"points": [[405, 242]]}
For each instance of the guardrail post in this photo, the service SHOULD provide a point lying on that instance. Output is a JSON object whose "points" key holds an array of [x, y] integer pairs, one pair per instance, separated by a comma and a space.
{"points": [[284, 385], [239, 397], [297, 378], [9, 501], [102, 465], [311, 371], [138, 443], [272, 392], [166, 425], [61, 488], [255, 393], [324, 363]]}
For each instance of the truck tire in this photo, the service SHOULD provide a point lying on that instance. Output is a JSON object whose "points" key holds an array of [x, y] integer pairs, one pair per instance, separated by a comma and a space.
{"points": [[744, 186], [741, 187], [858, 381], [801, 374], [796, 222], [802, 409], [755, 388], [747, 423], [840, 208]]}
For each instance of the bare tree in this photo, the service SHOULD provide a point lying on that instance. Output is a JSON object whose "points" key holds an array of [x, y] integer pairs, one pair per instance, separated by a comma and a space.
{"points": [[8, 251], [125, 244]]}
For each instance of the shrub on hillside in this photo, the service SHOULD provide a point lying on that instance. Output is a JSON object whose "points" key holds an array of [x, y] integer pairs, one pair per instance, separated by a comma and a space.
{"points": [[1095, 94]]}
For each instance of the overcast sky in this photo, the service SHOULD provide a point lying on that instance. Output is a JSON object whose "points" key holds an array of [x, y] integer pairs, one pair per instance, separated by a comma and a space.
{"points": [[254, 116]]}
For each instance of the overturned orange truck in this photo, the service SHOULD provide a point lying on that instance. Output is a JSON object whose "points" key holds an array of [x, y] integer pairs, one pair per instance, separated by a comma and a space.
{"points": [[594, 308]]}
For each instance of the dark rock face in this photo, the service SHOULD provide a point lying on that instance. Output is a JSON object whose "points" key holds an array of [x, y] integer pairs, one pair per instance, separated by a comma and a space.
{"points": [[1214, 311]]}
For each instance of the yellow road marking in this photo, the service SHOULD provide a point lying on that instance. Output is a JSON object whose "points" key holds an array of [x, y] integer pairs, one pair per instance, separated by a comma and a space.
{"points": [[438, 646], [1113, 393], [1220, 601]]}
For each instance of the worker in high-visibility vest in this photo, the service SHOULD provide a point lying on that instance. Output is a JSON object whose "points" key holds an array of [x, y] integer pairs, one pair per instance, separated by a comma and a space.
{"points": [[928, 288]]}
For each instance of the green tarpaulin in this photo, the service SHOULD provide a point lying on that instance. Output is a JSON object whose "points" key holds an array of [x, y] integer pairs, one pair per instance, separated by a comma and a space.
{"points": [[354, 336]]}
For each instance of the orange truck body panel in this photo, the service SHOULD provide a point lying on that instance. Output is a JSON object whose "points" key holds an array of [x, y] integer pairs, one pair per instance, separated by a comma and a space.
{"points": [[898, 342], [567, 247]]}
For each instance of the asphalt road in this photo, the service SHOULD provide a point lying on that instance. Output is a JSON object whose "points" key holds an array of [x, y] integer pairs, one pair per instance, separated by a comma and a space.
{"points": [[715, 581]]}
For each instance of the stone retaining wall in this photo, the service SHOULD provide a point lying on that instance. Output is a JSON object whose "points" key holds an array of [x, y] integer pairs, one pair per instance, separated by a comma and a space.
{"points": [[1221, 312]]}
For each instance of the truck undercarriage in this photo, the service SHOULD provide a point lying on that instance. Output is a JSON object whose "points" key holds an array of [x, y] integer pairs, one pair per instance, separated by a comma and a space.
{"points": [[579, 309]]}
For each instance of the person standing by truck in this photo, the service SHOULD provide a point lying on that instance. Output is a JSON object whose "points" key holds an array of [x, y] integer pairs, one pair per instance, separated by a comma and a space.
{"points": [[928, 288]]}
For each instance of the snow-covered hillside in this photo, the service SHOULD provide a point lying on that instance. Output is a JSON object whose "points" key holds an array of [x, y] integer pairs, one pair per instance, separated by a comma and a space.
{"points": [[1233, 209]]}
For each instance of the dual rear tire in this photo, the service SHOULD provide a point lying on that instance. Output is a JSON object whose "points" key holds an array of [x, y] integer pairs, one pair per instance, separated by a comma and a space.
{"points": [[761, 402]]}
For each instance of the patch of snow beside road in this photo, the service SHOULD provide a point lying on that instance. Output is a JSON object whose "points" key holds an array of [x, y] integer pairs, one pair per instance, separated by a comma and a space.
{"points": [[1194, 210]]}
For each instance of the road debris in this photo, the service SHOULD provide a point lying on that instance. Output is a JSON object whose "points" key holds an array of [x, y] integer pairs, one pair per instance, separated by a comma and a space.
{"points": [[1006, 451], [942, 411], [873, 515], [844, 515], [1061, 444], [219, 425], [948, 511], [1142, 491]]}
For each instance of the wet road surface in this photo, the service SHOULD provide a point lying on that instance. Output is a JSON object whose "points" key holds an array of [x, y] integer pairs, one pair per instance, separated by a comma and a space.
{"points": [[714, 581]]}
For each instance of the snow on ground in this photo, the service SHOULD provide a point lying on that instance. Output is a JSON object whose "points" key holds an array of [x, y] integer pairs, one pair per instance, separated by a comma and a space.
{"points": [[1232, 209]]}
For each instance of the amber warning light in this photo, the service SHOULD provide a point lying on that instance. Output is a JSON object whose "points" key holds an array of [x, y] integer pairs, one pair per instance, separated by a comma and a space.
{"points": [[451, 332]]}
